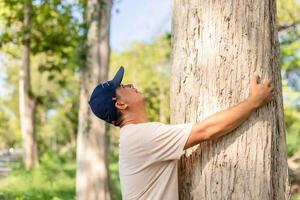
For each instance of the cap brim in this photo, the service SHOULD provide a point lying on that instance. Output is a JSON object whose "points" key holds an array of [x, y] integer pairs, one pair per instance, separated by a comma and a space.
{"points": [[118, 77]]}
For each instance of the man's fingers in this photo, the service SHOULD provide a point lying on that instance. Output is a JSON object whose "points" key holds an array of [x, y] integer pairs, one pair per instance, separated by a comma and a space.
{"points": [[254, 78], [268, 82]]}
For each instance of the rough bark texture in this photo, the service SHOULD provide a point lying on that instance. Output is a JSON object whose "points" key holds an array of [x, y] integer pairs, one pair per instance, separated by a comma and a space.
{"points": [[217, 46], [92, 176], [26, 100]]}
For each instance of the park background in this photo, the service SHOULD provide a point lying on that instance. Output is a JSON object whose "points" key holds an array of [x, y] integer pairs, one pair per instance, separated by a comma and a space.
{"points": [[140, 40]]}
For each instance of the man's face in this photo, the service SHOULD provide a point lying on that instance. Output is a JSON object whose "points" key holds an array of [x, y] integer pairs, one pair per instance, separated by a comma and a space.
{"points": [[130, 95]]}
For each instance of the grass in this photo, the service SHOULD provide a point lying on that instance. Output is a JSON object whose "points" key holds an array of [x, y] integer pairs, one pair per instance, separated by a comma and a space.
{"points": [[53, 180], [114, 172]]}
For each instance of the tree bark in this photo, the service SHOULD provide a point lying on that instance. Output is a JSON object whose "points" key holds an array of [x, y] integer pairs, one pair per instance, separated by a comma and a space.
{"points": [[92, 177], [217, 46], [162, 103], [27, 103]]}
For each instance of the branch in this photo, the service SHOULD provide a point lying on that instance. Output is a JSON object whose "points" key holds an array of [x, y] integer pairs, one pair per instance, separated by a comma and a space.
{"points": [[285, 27]]}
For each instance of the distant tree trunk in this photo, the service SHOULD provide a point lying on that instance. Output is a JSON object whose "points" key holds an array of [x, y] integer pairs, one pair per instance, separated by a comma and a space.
{"points": [[27, 102], [217, 45], [162, 103], [92, 176]]}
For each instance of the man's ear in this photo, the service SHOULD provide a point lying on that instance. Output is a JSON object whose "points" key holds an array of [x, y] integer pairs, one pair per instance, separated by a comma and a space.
{"points": [[120, 105]]}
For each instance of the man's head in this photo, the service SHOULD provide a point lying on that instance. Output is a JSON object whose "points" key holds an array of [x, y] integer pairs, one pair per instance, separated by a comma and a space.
{"points": [[111, 100], [128, 99]]}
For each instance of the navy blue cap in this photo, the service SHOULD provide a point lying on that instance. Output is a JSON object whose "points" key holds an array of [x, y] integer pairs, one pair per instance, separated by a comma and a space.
{"points": [[101, 102]]}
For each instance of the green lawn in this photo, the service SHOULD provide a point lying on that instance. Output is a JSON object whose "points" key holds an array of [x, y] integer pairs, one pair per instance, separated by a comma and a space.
{"points": [[53, 180], [114, 172]]}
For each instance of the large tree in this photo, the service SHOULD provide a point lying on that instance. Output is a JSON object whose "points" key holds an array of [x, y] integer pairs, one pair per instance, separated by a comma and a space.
{"points": [[217, 46], [92, 176], [26, 100]]}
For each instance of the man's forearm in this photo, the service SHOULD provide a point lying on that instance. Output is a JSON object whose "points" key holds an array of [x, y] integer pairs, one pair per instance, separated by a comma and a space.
{"points": [[225, 121]]}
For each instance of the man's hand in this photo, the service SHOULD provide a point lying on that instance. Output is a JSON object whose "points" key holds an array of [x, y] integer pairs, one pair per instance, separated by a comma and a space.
{"points": [[225, 121], [260, 94]]}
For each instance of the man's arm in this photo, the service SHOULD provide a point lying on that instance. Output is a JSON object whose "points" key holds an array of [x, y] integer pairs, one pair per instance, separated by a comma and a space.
{"points": [[225, 121]]}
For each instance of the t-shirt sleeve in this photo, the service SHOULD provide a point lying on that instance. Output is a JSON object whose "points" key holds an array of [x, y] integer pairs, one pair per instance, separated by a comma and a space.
{"points": [[166, 142]]}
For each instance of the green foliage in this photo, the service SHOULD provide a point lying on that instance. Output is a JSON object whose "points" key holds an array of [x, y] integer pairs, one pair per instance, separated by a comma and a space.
{"points": [[61, 128], [292, 119], [290, 52], [10, 134], [53, 180], [288, 11], [114, 171], [9, 131], [292, 123], [147, 67], [54, 79], [289, 14], [295, 197]]}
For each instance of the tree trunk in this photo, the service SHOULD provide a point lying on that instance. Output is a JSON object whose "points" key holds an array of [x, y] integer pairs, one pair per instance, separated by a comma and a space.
{"points": [[217, 46], [27, 102], [162, 103], [92, 176]]}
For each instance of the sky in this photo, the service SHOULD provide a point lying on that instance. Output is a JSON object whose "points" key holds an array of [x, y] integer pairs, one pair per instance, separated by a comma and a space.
{"points": [[132, 20], [138, 20]]}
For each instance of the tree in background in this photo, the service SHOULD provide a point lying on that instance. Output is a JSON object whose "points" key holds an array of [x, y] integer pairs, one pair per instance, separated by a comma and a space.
{"points": [[26, 99], [216, 48], [92, 176], [46, 32]]}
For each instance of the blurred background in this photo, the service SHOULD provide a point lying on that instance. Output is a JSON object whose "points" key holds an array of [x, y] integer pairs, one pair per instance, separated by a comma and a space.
{"points": [[140, 41]]}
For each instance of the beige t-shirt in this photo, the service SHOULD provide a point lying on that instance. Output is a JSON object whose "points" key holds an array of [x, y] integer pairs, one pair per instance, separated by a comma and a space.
{"points": [[148, 159]]}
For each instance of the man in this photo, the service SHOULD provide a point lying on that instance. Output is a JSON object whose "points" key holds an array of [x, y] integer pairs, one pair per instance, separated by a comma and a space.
{"points": [[149, 150]]}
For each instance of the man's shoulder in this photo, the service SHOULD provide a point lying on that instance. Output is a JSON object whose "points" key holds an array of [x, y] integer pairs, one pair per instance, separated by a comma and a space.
{"points": [[144, 124], [145, 129]]}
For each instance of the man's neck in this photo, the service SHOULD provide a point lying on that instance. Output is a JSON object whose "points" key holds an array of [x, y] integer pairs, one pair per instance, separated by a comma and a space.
{"points": [[134, 118]]}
